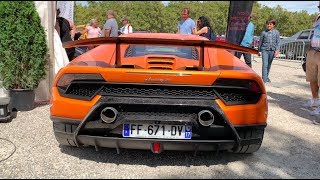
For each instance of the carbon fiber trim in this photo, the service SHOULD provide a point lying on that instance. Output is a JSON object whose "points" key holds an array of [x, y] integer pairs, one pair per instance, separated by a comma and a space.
{"points": [[232, 95], [147, 102]]}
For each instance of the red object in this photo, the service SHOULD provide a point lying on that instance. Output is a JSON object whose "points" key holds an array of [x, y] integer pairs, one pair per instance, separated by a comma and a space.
{"points": [[156, 147], [254, 87], [221, 39]]}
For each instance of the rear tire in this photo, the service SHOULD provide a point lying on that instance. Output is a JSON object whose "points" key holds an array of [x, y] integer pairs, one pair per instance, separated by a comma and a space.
{"points": [[250, 134], [67, 128]]}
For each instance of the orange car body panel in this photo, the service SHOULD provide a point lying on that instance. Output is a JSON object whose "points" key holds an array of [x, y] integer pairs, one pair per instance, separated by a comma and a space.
{"points": [[222, 63]]}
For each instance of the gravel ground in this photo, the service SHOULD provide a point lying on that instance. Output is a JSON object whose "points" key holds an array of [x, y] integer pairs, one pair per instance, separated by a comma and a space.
{"points": [[290, 148]]}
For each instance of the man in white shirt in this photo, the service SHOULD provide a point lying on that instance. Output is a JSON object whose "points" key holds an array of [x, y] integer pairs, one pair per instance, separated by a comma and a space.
{"points": [[126, 28]]}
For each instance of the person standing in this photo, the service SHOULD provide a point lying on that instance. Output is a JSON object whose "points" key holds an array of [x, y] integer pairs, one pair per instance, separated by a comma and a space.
{"points": [[66, 30], [186, 25], [269, 47], [313, 69], [205, 29], [92, 29], [247, 42], [110, 28], [126, 28]]}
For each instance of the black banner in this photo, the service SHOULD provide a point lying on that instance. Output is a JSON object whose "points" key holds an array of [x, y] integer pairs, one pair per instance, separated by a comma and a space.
{"points": [[239, 11]]}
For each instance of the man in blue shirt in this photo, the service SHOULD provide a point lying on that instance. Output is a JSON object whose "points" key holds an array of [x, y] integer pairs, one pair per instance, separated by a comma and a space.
{"points": [[247, 42], [186, 25]]}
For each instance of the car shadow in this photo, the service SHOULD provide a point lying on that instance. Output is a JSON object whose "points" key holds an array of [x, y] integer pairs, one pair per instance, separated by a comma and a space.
{"points": [[146, 157], [283, 154]]}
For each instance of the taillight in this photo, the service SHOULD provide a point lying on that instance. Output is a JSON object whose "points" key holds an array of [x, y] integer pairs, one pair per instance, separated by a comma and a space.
{"points": [[237, 91], [66, 79], [254, 87], [248, 84]]}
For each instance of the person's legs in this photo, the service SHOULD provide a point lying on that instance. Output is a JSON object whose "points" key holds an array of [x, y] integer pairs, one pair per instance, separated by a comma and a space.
{"points": [[270, 59], [264, 65], [247, 59], [238, 54], [314, 90], [312, 72], [313, 76]]}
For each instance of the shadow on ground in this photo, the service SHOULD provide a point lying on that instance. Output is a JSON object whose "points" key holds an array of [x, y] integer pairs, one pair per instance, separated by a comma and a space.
{"points": [[292, 104], [282, 155], [300, 76], [146, 157]]}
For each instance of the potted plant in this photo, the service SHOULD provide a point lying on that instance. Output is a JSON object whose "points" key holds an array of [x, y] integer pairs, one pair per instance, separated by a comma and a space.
{"points": [[23, 52]]}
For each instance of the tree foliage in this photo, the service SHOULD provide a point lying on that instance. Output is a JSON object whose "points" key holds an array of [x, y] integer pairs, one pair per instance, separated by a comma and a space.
{"points": [[23, 47], [154, 16]]}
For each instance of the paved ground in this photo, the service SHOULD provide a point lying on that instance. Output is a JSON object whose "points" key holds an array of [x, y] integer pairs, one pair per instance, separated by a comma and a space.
{"points": [[291, 146]]}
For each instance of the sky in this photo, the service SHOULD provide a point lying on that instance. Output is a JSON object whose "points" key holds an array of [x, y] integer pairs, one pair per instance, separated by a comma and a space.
{"points": [[309, 6]]}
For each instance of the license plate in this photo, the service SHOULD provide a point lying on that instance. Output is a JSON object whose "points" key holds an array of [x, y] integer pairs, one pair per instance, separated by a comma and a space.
{"points": [[157, 131]]}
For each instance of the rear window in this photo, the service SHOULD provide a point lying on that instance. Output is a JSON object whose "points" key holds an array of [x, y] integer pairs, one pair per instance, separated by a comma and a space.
{"points": [[142, 50]]}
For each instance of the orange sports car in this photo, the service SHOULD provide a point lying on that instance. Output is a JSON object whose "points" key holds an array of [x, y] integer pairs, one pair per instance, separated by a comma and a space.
{"points": [[159, 91]]}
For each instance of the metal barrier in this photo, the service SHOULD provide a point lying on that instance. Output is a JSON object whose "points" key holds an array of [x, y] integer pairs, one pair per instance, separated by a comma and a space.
{"points": [[290, 51]]}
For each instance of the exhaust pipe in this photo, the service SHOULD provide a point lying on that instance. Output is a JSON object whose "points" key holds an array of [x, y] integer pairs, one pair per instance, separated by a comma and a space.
{"points": [[108, 114], [205, 117]]}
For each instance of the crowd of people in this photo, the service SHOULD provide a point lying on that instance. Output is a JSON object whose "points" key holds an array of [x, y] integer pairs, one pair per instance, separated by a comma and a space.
{"points": [[269, 43]]}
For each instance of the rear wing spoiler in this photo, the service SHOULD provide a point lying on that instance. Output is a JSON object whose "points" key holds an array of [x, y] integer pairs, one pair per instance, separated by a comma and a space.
{"points": [[158, 41]]}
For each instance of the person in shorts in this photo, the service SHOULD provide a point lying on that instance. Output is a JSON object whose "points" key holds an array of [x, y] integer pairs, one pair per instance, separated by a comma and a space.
{"points": [[313, 69]]}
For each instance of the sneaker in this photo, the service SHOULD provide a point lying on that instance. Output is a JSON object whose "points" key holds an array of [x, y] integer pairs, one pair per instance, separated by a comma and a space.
{"points": [[315, 112], [312, 103], [268, 80]]}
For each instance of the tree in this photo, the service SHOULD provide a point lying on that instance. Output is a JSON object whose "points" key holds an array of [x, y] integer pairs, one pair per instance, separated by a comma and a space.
{"points": [[155, 17], [23, 47]]}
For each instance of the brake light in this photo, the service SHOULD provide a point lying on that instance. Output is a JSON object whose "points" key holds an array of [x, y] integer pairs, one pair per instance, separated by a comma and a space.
{"points": [[248, 84], [254, 87], [66, 79]]}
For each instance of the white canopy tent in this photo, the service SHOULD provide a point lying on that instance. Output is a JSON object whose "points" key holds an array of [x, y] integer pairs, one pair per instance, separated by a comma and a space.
{"points": [[58, 57]]}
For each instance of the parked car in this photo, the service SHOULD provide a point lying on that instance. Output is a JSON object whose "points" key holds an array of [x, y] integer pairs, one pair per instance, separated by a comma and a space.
{"points": [[159, 91], [296, 46]]}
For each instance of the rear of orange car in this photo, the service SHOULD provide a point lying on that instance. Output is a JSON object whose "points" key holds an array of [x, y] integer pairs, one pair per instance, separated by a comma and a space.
{"points": [[156, 97]]}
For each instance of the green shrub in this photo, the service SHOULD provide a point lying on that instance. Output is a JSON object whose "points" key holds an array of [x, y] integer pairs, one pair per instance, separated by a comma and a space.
{"points": [[23, 47]]}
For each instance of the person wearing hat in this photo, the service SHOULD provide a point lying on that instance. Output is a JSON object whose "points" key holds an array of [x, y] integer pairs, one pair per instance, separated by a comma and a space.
{"points": [[126, 28]]}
